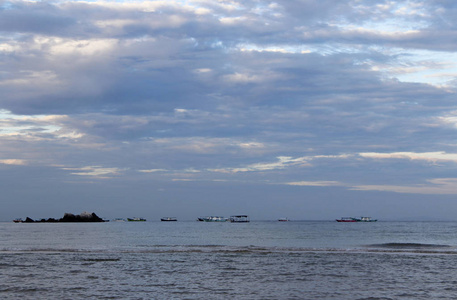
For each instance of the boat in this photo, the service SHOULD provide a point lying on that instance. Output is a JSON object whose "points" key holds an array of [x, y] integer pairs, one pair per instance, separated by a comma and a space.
{"points": [[169, 219], [361, 219], [18, 220], [212, 219], [136, 219], [283, 220], [367, 219], [239, 219], [347, 219], [118, 220]]}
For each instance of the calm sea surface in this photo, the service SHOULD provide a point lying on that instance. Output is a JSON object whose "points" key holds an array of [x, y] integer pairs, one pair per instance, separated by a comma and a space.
{"points": [[257, 260]]}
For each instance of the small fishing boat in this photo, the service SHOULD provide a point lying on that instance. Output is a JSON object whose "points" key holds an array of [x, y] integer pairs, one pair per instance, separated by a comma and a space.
{"points": [[347, 220], [361, 219], [136, 219], [367, 219], [239, 219], [212, 219], [169, 219], [283, 220], [18, 220]]}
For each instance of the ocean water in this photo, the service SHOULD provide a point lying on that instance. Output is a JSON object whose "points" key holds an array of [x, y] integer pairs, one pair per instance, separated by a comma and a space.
{"points": [[257, 260]]}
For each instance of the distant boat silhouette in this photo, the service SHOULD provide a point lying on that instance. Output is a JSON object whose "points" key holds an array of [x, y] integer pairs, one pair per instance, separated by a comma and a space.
{"points": [[136, 219]]}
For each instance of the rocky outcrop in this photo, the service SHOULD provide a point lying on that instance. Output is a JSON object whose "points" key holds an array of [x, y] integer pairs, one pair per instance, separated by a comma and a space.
{"points": [[84, 217], [68, 217]]}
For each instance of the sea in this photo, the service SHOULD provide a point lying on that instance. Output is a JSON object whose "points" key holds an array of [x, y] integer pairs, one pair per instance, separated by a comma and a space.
{"points": [[256, 260]]}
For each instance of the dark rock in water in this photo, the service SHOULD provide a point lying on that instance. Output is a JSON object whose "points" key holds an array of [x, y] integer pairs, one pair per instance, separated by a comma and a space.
{"points": [[68, 217], [50, 220], [84, 217]]}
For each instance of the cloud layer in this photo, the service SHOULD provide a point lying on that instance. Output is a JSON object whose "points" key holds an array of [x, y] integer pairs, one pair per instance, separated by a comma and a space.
{"points": [[350, 95]]}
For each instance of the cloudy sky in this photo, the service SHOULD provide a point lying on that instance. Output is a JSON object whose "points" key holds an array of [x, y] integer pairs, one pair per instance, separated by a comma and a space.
{"points": [[307, 109]]}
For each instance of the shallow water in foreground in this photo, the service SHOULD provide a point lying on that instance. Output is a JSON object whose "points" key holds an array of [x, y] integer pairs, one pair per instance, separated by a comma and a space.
{"points": [[259, 260]]}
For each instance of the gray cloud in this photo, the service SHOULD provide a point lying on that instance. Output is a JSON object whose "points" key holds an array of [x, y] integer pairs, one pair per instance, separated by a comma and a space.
{"points": [[247, 94]]}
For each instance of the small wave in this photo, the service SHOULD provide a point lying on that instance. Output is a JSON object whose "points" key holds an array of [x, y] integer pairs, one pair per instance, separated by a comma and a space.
{"points": [[408, 246], [101, 259], [50, 250], [416, 248]]}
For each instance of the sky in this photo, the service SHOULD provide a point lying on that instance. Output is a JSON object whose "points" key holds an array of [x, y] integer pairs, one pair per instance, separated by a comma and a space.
{"points": [[306, 109]]}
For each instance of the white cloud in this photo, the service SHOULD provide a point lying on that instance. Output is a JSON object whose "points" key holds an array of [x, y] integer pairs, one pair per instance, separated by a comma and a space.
{"points": [[13, 161], [97, 47], [152, 170], [9, 47], [207, 145], [251, 145], [427, 156], [450, 119], [252, 77], [73, 135], [22, 125], [94, 171], [202, 70], [37, 127], [424, 66], [284, 49], [440, 186], [315, 183], [242, 78], [282, 162], [232, 20]]}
